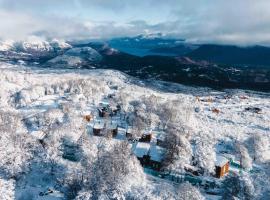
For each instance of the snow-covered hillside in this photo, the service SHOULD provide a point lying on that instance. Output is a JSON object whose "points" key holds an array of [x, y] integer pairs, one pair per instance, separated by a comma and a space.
{"points": [[76, 57], [45, 110], [34, 44]]}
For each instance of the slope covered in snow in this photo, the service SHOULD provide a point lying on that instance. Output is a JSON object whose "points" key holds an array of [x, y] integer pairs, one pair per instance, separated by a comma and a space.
{"points": [[49, 107], [76, 57]]}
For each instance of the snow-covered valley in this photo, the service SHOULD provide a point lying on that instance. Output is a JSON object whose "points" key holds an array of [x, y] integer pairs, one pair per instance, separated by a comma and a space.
{"points": [[47, 114]]}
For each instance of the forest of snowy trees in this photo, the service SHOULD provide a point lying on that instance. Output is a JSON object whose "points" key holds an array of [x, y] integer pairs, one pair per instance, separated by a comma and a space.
{"points": [[67, 159]]}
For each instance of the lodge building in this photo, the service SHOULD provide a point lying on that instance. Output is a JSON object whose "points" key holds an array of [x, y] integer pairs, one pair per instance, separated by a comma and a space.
{"points": [[149, 155]]}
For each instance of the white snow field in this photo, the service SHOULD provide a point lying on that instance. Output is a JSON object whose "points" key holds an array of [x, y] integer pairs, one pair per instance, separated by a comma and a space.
{"points": [[42, 120]]}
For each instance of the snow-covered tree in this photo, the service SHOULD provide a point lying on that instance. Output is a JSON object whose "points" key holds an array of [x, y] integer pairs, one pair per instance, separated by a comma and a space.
{"points": [[118, 175], [245, 159], [238, 187], [16, 146], [178, 150], [188, 192], [260, 147], [84, 195], [261, 182], [167, 113], [138, 124], [7, 189], [205, 156]]}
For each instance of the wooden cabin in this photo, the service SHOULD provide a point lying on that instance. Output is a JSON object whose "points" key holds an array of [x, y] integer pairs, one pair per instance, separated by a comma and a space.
{"points": [[87, 118], [146, 137], [222, 166], [113, 129], [98, 127], [215, 110]]}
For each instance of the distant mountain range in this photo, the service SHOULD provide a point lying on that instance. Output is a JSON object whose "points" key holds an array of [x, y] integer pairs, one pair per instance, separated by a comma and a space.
{"points": [[221, 54], [215, 66], [144, 45], [233, 55], [35, 50], [190, 72]]}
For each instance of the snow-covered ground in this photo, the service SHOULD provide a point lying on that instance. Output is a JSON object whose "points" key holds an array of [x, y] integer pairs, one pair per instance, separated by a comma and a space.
{"points": [[42, 96]]}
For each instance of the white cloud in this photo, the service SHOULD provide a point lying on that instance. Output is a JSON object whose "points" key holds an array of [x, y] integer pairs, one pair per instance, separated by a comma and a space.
{"points": [[230, 21]]}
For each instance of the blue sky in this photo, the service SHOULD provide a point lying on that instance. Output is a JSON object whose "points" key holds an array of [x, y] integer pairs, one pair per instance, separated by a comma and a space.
{"points": [[200, 21]]}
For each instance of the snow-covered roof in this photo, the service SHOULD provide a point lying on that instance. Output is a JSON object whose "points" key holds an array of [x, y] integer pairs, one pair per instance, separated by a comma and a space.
{"points": [[38, 134], [99, 125], [129, 129], [147, 132], [141, 149], [228, 156], [112, 125], [113, 106], [221, 161], [156, 153], [104, 103]]}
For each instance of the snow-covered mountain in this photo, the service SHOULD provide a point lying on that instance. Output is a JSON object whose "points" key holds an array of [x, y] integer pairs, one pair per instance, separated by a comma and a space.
{"points": [[77, 57], [87, 53], [33, 49], [180, 69], [34, 45]]}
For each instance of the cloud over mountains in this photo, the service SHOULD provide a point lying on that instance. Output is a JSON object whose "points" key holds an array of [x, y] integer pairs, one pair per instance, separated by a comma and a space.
{"points": [[231, 21]]}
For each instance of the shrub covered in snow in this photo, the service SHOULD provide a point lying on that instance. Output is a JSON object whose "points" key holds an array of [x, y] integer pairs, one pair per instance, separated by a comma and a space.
{"points": [[7, 189]]}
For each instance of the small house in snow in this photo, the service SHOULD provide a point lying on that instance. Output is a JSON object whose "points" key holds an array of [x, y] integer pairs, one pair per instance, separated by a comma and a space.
{"points": [[113, 128], [149, 155], [98, 127], [87, 118], [141, 151], [222, 166], [104, 109]]}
